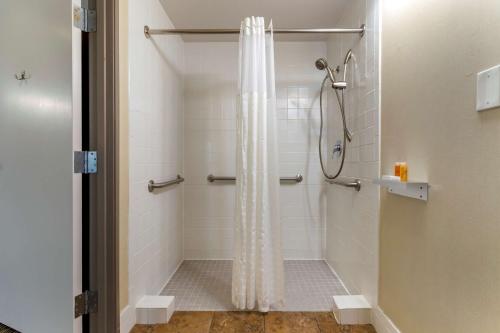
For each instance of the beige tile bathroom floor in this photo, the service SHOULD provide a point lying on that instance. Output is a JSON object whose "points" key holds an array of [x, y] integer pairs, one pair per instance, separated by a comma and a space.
{"points": [[252, 322], [205, 285]]}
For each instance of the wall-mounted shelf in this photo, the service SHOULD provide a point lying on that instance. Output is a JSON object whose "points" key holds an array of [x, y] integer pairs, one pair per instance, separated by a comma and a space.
{"points": [[411, 189]]}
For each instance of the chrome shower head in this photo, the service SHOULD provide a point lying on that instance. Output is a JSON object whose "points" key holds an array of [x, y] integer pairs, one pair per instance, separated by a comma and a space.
{"points": [[322, 64]]}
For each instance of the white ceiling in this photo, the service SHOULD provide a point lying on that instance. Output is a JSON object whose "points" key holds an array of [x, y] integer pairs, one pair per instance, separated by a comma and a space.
{"points": [[210, 14]]}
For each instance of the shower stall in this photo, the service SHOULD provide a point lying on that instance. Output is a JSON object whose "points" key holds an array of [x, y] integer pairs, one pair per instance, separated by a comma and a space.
{"points": [[210, 148], [183, 111]]}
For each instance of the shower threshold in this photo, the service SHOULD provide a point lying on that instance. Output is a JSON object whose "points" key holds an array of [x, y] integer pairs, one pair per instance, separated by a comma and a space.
{"points": [[205, 285]]}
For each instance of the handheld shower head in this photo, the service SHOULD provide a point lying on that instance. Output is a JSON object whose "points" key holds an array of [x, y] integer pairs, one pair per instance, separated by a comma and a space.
{"points": [[322, 64], [347, 58]]}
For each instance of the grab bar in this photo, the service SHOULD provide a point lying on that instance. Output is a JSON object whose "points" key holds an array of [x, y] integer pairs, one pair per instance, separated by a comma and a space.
{"points": [[211, 178], [152, 185], [355, 184]]}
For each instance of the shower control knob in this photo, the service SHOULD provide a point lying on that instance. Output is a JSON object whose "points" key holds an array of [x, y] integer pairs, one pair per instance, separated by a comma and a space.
{"points": [[337, 149]]}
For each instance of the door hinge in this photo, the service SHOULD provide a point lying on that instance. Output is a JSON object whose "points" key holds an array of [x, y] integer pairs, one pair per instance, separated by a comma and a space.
{"points": [[85, 162], [86, 303], [84, 19]]}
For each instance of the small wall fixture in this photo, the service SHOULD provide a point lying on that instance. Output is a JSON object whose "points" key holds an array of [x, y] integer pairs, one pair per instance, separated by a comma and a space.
{"points": [[410, 189], [22, 76], [152, 185], [355, 183], [488, 89]]}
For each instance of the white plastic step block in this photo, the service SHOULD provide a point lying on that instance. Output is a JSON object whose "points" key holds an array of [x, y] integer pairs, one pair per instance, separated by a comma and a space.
{"points": [[351, 310], [155, 309]]}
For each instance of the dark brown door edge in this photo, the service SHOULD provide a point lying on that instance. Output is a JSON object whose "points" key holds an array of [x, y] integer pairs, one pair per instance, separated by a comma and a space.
{"points": [[100, 190]]}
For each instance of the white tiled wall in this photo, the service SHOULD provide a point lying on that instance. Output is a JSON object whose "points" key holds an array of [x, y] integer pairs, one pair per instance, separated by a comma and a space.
{"points": [[352, 217], [211, 88], [156, 150]]}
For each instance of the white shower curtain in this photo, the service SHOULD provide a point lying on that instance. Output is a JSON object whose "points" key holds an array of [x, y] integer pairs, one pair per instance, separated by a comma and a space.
{"points": [[258, 262]]}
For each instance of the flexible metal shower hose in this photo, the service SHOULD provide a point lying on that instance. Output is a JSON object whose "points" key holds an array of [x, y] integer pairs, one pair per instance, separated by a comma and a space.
{"points": [[340, 99]]}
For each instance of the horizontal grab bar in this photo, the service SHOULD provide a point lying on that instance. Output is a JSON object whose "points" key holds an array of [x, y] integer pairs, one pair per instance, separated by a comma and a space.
{"points": [[211, 178], [355, 184], [152, 185]]}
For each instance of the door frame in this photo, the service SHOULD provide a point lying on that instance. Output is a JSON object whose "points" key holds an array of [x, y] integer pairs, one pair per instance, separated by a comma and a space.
{"points": [[103, 186]]}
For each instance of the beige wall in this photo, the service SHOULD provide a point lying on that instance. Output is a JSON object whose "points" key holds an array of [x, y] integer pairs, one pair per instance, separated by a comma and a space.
{"points": [[123, 152], [440, 260]]}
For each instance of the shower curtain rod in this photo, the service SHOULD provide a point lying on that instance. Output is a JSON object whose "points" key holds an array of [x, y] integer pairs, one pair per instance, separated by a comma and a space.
{"points": [[148, 31]]}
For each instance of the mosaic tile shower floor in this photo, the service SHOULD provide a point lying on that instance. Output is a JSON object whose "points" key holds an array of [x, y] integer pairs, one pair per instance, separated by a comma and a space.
{"points": [[205, 285]]}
